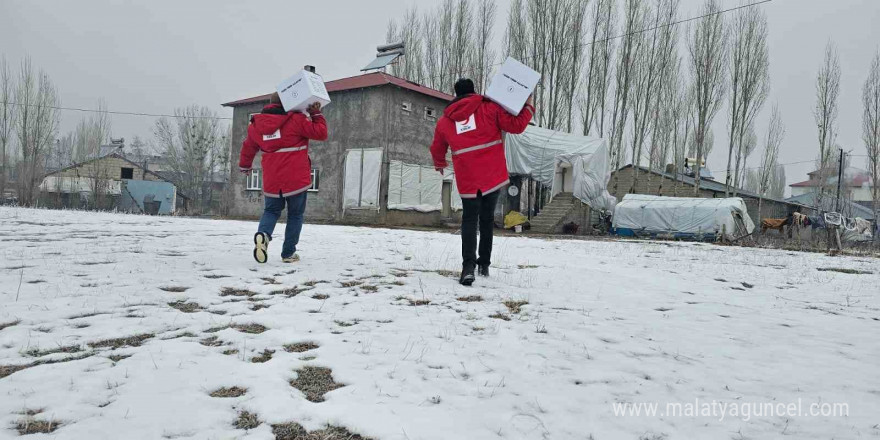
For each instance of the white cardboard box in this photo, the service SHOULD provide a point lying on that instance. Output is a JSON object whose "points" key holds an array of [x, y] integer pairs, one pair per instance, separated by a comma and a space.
{"points": [[512, 85], [302, 90]]}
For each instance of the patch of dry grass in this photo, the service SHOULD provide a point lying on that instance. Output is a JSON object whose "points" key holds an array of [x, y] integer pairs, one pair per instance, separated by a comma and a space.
{"points": [[6, 370], [30, 425], [312, 283], [294, 431], [253, 329], [230, 352], [127, 341], [256, 307], [216, 329], [118, 357], [418, 301], [320, 296], [527, 266], [263, 357], [314, 382], [226, 392], [290, 292], [186, 307], [8, 324], [370, 288], [844, 270], [300, 347], [514, 305], [36, 352], [215, 277], [354, 283], [231, 291], [345, 323], [211, 341], [470, 298], [174, 289], [246, 420], [501, 316]]}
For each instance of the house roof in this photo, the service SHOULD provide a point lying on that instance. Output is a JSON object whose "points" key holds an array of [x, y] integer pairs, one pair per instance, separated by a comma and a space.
{"points": [[708, 185], [118, 156], [854, 177], [358, 82], [849, 208]]}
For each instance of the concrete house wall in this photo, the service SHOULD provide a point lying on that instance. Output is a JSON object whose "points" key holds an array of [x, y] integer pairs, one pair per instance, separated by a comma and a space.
{"points": [[371, 117]]}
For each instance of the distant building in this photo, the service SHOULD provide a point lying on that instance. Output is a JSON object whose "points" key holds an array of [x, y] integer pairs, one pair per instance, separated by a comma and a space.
{"points": [[857, 185], [667, 183], [377, 122], [109, 182]]}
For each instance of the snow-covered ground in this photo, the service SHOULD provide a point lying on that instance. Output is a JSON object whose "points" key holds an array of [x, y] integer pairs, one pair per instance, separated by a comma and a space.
{"points": [[605, 322]]}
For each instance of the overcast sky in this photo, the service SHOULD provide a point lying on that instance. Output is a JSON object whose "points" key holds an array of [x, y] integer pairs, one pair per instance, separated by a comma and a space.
{"points": [[154, 56]]}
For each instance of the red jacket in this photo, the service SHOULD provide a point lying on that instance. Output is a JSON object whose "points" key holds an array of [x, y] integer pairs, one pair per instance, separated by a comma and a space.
{"points": [[284, 140], [472, 127]]}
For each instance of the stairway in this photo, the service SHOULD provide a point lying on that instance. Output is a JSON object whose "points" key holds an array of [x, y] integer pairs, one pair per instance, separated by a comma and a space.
{"points": [[550, 219]]}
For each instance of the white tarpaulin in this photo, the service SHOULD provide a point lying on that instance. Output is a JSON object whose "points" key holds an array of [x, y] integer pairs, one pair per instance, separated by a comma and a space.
{"points": [[646, 214], [538, 152], [363, 168], [414, 187]]}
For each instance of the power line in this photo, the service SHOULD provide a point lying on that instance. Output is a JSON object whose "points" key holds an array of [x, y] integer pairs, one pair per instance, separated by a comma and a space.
{"points": [[87, 110], [617, 37]]}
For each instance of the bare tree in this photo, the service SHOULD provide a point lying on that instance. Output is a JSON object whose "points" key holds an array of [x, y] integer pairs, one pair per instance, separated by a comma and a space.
{"points": [[749, 85], [8, 117], [92, 133], [193, 145], [627, 55], [603, 21], [707, 49], [652, 64], [516, 38], [36, 127], [871, 131], [462, 48], [826, 111], [484, 54], [745, 149], [767, 173], [409, 31]]}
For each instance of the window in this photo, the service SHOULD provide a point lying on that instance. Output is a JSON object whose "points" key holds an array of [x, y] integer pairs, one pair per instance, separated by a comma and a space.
{"points": [[314, 187], [128, 173], [254, 181], [430, 113], [406, 106]]}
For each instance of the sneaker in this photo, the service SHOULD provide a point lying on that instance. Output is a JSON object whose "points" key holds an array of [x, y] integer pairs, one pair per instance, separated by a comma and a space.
{"points": [[483, 270], [467, 275], [291, 259], [261, 246]]}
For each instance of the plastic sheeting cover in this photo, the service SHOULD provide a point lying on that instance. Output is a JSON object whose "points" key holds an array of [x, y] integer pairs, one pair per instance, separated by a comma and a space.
{"points": [[414, 187], [537, 152], [654, 214], [362, 191]]}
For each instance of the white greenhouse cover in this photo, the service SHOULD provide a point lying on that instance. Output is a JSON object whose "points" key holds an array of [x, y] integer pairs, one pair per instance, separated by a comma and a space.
{"points": [[361, 190], [655, 214], [538, 152], [414, 187]]}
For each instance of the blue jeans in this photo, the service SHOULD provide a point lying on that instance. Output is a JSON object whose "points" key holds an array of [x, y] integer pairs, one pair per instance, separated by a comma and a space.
{"points": [[296, 206]]}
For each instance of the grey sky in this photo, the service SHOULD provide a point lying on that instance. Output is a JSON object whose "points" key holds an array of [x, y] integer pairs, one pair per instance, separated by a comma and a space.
{"points": [[158, 55]]}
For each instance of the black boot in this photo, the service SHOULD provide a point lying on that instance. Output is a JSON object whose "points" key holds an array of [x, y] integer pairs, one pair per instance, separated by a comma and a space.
{"points": [[467, 274], [483, 270]]}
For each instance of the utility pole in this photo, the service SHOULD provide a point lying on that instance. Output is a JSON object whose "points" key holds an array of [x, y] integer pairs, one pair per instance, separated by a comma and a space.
{"points": [[839, 180]]}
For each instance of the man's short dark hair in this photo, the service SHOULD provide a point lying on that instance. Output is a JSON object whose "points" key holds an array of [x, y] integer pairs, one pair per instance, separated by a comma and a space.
{"points": [[464, 86]]}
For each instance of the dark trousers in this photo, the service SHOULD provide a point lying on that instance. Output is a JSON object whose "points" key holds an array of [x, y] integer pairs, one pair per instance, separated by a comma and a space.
{"points": [[296, 207], [478, 211]]}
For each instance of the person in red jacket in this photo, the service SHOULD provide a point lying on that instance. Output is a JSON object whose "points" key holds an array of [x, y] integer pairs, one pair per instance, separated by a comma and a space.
{"points": [[472, 127], [283, 138]]}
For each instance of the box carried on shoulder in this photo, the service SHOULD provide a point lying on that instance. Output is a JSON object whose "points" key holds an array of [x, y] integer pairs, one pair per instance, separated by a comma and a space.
{"points": [[302, 90], [511, 86]]}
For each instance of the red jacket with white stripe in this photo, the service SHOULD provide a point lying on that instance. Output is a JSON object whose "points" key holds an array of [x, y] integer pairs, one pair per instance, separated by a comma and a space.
{"points": [[284, 140], [472, 127]]}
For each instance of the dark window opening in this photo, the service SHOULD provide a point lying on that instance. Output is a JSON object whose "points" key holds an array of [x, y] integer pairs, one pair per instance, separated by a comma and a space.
{"points": [[128, 173]]}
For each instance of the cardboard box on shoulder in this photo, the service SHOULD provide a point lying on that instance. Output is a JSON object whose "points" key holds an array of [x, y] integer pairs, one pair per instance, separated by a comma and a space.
{"points": [[512, 85], [302, 90]]}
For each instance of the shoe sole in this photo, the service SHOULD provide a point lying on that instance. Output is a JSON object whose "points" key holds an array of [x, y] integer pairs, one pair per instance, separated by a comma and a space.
{"points": [[466, 281], [260, 246]]}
